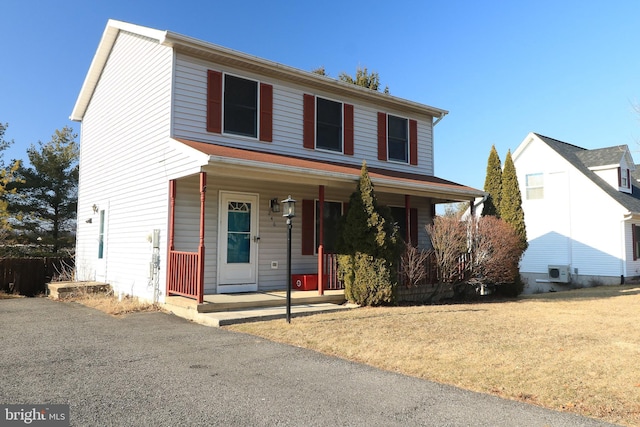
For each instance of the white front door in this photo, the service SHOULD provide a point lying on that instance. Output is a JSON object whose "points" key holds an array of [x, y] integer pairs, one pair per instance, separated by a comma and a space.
{"points": [[238, 243]]}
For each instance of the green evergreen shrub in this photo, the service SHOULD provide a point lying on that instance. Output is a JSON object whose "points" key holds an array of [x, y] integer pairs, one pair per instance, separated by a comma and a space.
{"points": [[369, 247]]}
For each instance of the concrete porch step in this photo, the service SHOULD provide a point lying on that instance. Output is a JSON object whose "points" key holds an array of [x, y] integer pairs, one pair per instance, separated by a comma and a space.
{"points": [[255, 300], [61, 290]]}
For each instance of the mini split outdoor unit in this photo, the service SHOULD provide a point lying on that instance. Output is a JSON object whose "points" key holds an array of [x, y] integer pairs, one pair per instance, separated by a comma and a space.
{"points": [[559, 273]]}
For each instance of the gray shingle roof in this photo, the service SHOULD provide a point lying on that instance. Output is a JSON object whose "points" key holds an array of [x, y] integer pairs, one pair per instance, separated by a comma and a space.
{"points": [[582, 159]]}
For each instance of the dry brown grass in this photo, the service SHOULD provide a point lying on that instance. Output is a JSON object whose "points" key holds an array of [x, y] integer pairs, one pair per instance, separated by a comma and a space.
{"points": [[4, 295], [575, 351], [111, 304]]}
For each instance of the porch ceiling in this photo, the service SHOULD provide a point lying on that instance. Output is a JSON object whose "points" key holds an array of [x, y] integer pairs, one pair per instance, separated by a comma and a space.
{"points": [[241, 163]]}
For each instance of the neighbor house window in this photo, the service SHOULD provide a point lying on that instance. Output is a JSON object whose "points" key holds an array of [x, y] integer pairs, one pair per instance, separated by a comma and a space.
{"points": [[635, 232], [398, 139], [240, 106], [535, 186], [328, 125], [332, 213]]}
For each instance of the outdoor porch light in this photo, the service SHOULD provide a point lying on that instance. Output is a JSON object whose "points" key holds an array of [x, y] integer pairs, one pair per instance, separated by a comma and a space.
{"points": [[288, 207], [274, 206]]}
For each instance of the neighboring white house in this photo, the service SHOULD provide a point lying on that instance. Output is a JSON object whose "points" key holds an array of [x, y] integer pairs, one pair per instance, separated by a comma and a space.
{"points": [[187, 149], [582, 213]]}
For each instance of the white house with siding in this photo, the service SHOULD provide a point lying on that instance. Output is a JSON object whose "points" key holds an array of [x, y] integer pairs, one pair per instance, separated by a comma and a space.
{"points": [[187, 149], [582, 213]]}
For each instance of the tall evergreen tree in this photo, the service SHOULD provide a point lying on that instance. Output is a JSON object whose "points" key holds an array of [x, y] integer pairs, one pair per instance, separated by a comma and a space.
{"points": [[493, 184], [511, 201], [7, 177], [368, 246], [46, 199]]}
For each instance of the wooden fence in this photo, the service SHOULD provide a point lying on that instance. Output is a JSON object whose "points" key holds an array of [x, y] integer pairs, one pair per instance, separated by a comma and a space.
{"points": [[29, 276]]}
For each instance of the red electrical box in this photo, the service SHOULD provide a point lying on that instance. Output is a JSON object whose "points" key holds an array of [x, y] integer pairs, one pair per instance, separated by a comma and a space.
{"points": [[304, 282]]}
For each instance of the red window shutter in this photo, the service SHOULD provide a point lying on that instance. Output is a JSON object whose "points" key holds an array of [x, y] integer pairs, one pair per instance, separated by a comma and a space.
{"points": [[308, 227], [628, 179], [382, 136], [413, 142], [266, 112], [309, 122], [413, 221], [619, 178], [214, 101], [348, 129], [635, 243]]}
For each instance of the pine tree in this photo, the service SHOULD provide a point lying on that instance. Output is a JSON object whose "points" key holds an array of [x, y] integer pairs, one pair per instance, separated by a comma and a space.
{"points": [[46, 197], [493, 184], [511, 201]]}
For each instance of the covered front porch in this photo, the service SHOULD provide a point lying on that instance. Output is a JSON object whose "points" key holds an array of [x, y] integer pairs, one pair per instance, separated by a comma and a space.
{"points": [[227, 235]]}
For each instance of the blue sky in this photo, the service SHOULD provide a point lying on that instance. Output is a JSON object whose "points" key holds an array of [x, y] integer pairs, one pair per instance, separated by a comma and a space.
{"points": [[566, 69]]}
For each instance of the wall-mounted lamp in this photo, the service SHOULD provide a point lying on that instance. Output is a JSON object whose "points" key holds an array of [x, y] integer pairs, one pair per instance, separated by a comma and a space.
{"points": [[274, 205], [89, 221], [95, 208]]}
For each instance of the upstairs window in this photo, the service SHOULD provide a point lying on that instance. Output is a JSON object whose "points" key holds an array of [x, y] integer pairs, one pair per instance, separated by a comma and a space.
{"points": [[624, 178], [328, 125], [535, 186], [234, 105], [398, 139], [240, 106]]}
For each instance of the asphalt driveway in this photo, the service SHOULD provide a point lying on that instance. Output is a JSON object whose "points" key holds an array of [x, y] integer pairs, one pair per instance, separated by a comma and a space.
{"points": [[155, 369]]}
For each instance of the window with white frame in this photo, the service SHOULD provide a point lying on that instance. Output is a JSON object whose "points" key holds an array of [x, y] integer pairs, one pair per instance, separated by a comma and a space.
{"points": [[535, 186], [328, 124], [240, 106], [397, 138]]}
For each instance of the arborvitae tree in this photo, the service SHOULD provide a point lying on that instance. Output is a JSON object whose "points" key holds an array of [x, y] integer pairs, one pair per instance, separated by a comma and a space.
{"points": [[511, 201], [493, 184], [369, 247]]}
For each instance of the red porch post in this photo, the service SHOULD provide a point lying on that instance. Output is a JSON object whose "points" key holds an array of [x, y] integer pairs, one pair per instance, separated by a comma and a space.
{"points": [[203, 189], [321, 241]]}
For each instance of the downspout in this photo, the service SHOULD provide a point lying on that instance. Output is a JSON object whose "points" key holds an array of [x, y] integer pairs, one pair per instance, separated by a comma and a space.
{"points": [[438, 119]]}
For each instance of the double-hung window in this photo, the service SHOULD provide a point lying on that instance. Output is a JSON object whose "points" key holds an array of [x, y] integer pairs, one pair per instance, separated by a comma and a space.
{"points": [[240, 106], [535, 186], [397, 139], [328, 125]]}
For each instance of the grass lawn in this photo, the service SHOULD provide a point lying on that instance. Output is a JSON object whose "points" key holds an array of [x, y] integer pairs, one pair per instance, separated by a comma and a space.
{"points": [[576, 351]]}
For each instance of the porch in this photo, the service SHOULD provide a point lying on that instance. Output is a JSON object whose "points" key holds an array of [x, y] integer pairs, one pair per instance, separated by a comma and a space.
{"points": [[226, 309]]}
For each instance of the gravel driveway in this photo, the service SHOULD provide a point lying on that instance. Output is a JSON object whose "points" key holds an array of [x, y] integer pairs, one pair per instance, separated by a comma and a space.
{"points": [[155, 369]]}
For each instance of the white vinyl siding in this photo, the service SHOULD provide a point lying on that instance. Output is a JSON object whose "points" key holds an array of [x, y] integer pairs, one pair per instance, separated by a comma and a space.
{"points": [[125, 162], [189, 120], [576, 223]]}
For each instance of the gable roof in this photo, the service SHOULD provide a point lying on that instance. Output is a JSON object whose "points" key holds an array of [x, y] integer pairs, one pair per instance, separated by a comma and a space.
{"points": [[582, 159], [222, 55], [319, 171]]}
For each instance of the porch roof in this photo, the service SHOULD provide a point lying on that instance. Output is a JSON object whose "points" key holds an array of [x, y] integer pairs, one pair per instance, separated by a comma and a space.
{"points": [[249, 163]]}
